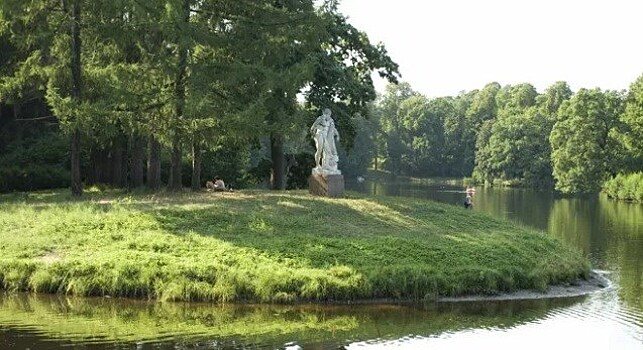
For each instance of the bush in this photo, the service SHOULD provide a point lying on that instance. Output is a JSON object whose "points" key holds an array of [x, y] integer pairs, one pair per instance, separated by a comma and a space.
{"points": [[625, 187], [33, 177], [35, 164]]}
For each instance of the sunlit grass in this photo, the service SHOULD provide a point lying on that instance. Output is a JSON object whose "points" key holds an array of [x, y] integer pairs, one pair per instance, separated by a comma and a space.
{"points": [[268, 247]]}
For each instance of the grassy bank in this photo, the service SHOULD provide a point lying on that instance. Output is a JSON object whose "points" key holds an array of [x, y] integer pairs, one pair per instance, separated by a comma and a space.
{"points": [[268, 247]]}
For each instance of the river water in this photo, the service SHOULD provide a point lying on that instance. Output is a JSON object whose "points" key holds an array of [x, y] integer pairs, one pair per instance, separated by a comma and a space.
{"points": [[609, 232]]}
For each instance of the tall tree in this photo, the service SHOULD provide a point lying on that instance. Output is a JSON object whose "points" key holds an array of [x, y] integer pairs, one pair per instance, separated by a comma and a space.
{"points": [[181, 20], [423, 135], [483, 109], [343, 68], [455, 135], [271, 44], [632, 119], [85, 92], [35, 27], [76, 88], [583, 140], [509, 143], [553, 97], [391, 124]]}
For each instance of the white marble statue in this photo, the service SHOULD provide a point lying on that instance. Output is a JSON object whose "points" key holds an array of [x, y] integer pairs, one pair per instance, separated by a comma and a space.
{"points": [[325, 134]]}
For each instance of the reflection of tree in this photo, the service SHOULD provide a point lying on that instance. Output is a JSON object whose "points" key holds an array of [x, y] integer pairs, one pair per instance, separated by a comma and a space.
{"points": [[624, 223], [525, 206], [574, 221], [126, 321]]}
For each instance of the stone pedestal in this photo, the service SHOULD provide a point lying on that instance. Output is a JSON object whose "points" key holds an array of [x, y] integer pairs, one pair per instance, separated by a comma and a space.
{"points": [[326, 185]]}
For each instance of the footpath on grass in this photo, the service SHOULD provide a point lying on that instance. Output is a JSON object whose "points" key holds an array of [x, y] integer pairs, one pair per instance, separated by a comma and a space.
{"points": [[263, 246]]}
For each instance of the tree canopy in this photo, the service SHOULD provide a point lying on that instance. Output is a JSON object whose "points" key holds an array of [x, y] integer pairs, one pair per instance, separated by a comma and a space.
{"points": [[182, 77]]}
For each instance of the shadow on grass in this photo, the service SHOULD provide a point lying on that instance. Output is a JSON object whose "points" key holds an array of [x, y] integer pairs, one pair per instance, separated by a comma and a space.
{"points": [[290, 226], [355, 231]]}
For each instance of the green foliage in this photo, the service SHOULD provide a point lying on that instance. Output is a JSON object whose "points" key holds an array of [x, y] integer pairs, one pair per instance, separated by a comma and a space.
{"points": [[458, 157], [299, 171], [356, 161], [35, 163], [186, 72], [230, 162], [482, 109], [625, 186], [216, 74], [343, 66], [554, 96], [514, 147], [391, 124], [32, 177], [583, 141], [515, 98], [268, 247], [632, 119]]}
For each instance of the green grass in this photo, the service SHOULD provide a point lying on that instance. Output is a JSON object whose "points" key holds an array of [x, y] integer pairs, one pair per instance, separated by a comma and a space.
{"points": [[268, 247]]}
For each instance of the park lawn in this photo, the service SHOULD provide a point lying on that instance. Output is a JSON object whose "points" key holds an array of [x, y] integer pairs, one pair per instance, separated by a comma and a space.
{"points": [[266, 246]]}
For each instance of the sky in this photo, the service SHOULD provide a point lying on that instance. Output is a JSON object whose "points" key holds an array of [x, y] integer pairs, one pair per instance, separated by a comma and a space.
{"points": [[448, 46]]}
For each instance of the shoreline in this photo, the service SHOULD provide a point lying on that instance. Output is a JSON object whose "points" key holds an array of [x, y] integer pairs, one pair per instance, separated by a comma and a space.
{"points": [[597, 282]]}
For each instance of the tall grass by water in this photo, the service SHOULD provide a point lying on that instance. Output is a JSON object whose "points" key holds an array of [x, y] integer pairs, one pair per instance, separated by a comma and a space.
{"points": [[268, 247]]}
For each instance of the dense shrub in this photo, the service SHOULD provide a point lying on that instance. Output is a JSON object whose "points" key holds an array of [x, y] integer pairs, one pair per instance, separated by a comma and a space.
{"points": [[626, 187], [35, 163], [33, 177]]}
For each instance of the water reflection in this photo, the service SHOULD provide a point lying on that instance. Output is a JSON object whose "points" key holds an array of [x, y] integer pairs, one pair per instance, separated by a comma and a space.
{"points": [[50, 321]]}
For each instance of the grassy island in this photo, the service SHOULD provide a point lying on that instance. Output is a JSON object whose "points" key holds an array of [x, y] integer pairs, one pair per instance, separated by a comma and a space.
{"points": [[268, 247]]}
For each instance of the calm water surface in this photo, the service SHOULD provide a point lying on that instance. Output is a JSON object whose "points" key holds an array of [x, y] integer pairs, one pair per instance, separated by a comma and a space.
{"points": [[610, 233]]}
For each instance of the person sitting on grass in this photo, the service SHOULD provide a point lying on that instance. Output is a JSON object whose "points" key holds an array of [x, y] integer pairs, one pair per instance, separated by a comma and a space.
{"points": [[219, 185]]}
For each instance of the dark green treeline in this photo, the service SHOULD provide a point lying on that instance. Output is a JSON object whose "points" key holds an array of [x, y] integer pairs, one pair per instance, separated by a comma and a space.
{"points": [[572, 142], [174, 92], [136, 93]]}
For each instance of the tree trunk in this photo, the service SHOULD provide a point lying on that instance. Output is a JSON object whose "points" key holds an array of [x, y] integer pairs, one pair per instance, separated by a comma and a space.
{"points": [[124, 164], [92, 176], [117, 163], [17, 133], [104, 164], [179, 95], [97, 166], [174, 184], [138, 153], [277, 176], [76, 183], [196, 167], [375, 161], [154, 165]]}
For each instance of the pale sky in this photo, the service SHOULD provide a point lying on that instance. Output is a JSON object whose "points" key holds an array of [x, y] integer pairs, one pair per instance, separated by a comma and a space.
{"points": [[446, 46]]}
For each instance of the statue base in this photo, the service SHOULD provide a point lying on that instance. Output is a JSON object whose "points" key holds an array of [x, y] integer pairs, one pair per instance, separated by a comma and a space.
{"points": [[326, 185]]}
